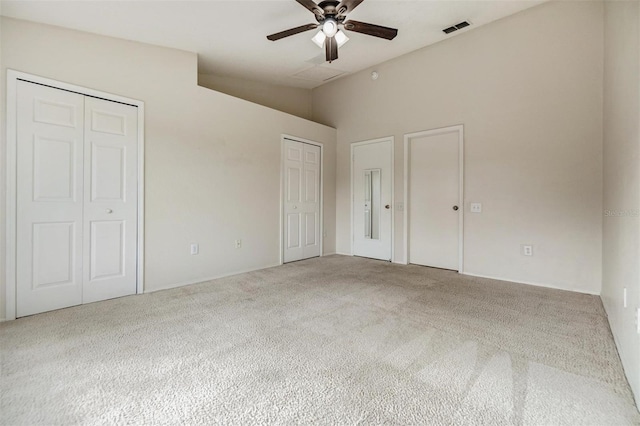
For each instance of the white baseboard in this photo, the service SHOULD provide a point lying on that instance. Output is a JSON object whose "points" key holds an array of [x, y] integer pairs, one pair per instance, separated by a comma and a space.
{"points": [[546, 285], [344, 254], [202, 280], [329, 254]]}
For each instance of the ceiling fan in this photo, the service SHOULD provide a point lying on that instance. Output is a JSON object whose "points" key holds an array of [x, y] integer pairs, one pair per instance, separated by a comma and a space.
{"points": [[331, 16]]}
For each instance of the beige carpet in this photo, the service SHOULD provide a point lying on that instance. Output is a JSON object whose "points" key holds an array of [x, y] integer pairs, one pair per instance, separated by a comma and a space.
{"points": [[336, 340]]}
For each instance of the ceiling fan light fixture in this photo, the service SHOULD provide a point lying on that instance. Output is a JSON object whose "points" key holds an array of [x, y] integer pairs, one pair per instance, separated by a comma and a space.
{"points": [[330, 27], [319, 39], [341, 38]]}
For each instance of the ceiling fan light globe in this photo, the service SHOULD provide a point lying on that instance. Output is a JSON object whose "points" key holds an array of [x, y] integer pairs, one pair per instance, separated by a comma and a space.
{"points": [[341, 38], [319, 39], [330, 27]]}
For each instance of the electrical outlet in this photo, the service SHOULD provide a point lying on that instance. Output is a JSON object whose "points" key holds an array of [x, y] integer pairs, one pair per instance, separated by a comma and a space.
{"points": [[238, 244], [476, 207], [624, 297], [527, 250], [195, 249]]}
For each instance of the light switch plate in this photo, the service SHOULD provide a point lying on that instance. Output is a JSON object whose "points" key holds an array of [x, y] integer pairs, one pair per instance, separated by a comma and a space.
{"points": [[476, 207], [399, 206]]}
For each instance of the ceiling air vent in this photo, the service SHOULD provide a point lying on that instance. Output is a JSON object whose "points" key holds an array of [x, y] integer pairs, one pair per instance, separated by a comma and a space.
{"points": [[456, 27]]}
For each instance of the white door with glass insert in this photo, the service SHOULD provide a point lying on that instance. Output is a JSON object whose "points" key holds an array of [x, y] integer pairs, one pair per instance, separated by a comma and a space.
{"points": [[435, 198], [301, 200], [372, 198], [76, 199]]}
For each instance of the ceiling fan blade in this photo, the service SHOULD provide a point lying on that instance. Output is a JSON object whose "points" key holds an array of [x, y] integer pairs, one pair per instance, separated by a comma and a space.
{"points": [[331, 49], [312, 6], [371, 29], [348, 5], [292, 31]]}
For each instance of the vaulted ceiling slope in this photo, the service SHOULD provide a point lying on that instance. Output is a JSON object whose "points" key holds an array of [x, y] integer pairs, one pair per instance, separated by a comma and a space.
{"points": [[230, 36]]}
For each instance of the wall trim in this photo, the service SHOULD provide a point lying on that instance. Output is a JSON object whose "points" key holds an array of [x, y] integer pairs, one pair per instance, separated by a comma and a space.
{"points": [[536, 284], [407, 138], [216, 277], [13, 77]]}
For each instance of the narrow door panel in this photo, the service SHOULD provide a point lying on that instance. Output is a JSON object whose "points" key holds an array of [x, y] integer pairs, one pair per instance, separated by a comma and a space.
{"points": [[293, 228], [302, 200], [108, 172], [54, 174], [294, 176], [107, 249], [311, 185], [110, 202], [310, 222], [49, 198], [54, 254]]}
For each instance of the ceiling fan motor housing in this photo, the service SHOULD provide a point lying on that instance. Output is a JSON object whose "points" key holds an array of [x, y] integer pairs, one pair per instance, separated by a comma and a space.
{"points": [[330, 8]]}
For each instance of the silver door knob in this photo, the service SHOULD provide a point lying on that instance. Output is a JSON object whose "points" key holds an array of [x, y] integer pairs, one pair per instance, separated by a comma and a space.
{"points": [[109, 211], [455, 208], [295, 207]]}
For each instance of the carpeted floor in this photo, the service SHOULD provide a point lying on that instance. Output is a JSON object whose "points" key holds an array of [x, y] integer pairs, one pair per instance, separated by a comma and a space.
{"points": [[334, 340]]}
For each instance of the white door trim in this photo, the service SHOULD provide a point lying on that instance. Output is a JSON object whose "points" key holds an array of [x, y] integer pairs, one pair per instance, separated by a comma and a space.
{"points": [[407, 137], [11, 163], [282, 190], [368, 142]]}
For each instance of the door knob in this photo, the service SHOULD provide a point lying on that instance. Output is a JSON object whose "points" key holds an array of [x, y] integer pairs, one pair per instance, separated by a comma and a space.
{"points": [[295, 207], [109, 211], [387, 207], [455, 208]]}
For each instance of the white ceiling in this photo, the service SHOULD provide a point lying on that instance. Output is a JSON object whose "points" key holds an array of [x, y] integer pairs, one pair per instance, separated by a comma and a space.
{"points": [[230, 36]]}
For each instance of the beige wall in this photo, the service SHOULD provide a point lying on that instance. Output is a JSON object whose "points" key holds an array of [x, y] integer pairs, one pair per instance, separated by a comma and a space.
{"points": [[212, 171], [292, 100], [621, 232], [528, 90]]}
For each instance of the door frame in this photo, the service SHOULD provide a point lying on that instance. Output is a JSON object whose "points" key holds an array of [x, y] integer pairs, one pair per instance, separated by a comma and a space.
{"points": [[407, 138], [284, 137], [13, 77], [390, 139]]}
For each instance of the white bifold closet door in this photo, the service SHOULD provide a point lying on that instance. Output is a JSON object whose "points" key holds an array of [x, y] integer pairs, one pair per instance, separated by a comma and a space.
{"points": [[301, 201], [76, 199]]}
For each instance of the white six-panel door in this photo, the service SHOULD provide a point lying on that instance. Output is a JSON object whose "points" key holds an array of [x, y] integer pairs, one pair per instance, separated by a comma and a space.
{"points": [[110, 201], [50, 149], [301, 200], [76, 199]]}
